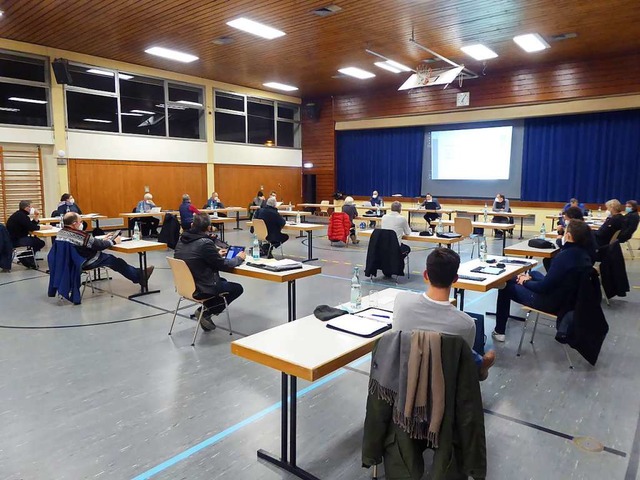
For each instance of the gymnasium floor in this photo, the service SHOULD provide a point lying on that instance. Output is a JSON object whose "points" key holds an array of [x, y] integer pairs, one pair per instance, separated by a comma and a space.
{"points": [[99, 391]]}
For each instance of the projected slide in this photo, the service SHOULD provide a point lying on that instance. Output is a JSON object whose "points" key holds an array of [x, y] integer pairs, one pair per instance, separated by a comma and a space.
{"points": [[471, 154]]}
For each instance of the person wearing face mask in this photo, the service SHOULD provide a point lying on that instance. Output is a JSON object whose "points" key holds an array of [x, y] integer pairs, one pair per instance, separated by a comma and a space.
{"points": [[375, 201], [431, 203], [630, 221], [68, 204], [612, 224], [547, 292], [500, 204], [20, 226], [91, 248], [148, 225], [214, 202], [591, 246]]}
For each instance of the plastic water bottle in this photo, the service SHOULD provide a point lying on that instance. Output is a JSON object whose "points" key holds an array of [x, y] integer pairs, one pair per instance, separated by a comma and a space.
{"points": [[543, 231], [215, 210], [298, 218], [356, 289], [256, 248], [377, 210], [599, 212], [136, 231], [484, 213], [439, 227], [290, 207], [61, 221], [482, 248]]}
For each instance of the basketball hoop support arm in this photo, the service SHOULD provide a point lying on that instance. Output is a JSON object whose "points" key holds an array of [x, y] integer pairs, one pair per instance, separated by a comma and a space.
{"points": [[468, 74]]}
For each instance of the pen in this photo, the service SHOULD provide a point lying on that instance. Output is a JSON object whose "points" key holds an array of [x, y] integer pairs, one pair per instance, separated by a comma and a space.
{"points": [[381, 316]]}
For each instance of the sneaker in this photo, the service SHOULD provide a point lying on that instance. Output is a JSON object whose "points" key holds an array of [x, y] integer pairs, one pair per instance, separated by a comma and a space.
{"points": [[207, 324], [488, 360], [498, 337]]}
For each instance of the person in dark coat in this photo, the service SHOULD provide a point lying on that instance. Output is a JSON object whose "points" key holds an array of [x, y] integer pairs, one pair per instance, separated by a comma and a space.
{"points": [[187, 211], [630, 221], [67, 204], [20, 227], [205, 261], [612, 224], [614, 273], [350, 209], [274, 222], [431, 203], [547, 292], [6, 249], [591, 246]]}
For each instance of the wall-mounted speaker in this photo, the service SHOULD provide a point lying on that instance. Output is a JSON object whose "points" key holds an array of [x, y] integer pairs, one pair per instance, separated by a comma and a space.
{"points": [[61, 71], [311, 111]]}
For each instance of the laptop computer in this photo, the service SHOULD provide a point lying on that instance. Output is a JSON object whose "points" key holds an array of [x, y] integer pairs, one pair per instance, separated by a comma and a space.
{"points": [[431, 206], [156, 209]]}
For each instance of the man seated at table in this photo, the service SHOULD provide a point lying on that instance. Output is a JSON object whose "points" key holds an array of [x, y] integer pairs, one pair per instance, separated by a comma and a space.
{"points": [[573, 202], [205, 261], [591, 245], [187, 211], [214, 203], [91, 248], [396, 222], [274, 222], [501, 204], [350, 209], [431, 203], [20, 227], [433, 311], [547, 292], [68, 204], [148, 225]]}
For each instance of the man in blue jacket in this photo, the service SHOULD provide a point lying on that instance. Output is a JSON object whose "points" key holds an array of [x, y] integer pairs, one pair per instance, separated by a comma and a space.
{"points": [[547, 292]]}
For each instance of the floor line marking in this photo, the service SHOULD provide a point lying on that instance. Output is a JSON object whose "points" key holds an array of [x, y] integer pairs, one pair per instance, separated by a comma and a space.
{"points": [[247, 421]]}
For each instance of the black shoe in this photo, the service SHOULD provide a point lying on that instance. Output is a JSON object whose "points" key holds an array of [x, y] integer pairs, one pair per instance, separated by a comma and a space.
{"points": [[206, 323]]}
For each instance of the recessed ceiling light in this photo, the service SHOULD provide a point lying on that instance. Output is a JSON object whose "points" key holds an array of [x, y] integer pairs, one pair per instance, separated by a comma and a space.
{"points": [[479, 52], [129, 114], [255, 28], [356, 72], [147, 112], [307, 165], [280, 86], [8, 109], [187, 102], [171, 54], [531, 42], [386, 66], [399, 66], [28, 100], [96, 120]]}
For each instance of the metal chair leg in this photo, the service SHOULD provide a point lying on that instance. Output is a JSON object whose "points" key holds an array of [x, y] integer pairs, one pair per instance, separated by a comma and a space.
{"points": [[106, 272], [566, 352], [535, 326], [524, 329], [374, 473], [195, 334], [226, 308], [174, 316]]}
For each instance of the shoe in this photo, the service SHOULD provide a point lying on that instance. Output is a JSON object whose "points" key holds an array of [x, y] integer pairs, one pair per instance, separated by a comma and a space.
{"points": [[144, 279], [196, 314], [488, 360], [6, 270], [206, 323], [498, 337]]}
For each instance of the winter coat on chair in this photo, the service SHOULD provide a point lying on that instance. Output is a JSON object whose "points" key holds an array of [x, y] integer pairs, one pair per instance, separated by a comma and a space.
{"points": [[65, 269], [384, 254], [6, 248], [170, 233], [612, 269], [339, 226]]}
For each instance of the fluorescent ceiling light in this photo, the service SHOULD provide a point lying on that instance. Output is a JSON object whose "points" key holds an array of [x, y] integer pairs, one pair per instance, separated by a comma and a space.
{"points": [[307, 165], [386, 66], [96, 120], [255, 28], [28, 100], [1, 13], [8, 109], [171, 54], [187, 102], [531, 42], [128, 114], [399, 66], [356, 72], [171, 106], [280, 86], [106, 73], [143, 111], [479, 52]]}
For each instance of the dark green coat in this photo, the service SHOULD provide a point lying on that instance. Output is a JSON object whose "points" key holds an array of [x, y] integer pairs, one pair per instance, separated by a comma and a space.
{"points": [[462, 448]]}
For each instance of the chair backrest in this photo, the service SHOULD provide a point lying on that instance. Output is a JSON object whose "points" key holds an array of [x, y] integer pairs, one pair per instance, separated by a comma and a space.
{"points": [[463, 226], [324, 209], [615, 236], [182, 278], [260, 229]]}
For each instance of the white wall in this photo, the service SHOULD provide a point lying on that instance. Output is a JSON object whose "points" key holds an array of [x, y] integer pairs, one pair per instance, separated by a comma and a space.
{"points": [[105, 146], [230, 154], [34, 136]]}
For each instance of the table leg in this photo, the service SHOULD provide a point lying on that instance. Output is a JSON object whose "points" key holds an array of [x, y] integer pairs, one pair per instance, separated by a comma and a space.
{"points": [[291, 300], [144, 285], [521, 226], [460, 293], [237, 227], [553, 222], [309, 247], [504, 240], [288, 429]]}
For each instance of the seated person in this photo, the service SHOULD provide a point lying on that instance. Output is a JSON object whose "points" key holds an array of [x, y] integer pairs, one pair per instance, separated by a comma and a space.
{"points": [[274, 222], [612, 224], [205, 261], [591, 245], [396, 222], [214, 203], [20, 226], [631, 219], [148, 225], [375, 201], [431, 203], [271, 194], [68, 204], [92, 248], [547, 292], [500, 204], [186, 212], [257, 201], [350, 209], [573, 202], [433, 311]]}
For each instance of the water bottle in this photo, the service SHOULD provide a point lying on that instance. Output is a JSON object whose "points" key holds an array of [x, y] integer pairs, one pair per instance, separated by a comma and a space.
{"points": [[599, 212], [439, 227], [256, 248], [543, 231], [484, 213], [356, 289], [290, 207], [215, 210], [61, 221], [482, 248], [136, 231], [298, 218], [377, 210]]}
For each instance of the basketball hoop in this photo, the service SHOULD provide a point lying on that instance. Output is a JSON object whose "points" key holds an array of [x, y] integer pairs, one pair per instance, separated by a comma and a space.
{"points": [[423, 73]]}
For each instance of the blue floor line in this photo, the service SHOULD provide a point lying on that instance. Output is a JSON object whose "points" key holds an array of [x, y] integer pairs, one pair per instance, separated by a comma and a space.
{"points": [[247, 421]]}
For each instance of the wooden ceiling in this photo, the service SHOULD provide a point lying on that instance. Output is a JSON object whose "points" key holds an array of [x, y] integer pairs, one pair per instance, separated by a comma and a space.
{"points": [[314, 47]]}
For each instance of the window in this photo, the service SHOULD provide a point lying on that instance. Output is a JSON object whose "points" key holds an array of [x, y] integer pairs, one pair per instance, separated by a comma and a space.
{"points": [[109, 101], [24, 90], [256, 121]]}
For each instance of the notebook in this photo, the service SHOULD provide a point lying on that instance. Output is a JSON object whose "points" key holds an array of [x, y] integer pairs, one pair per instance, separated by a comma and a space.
{"points": [[277, 266], [359, 325]]}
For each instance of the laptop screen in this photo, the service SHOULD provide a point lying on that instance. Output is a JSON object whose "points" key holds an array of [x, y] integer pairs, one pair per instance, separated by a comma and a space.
{"points": [[233, 251]]}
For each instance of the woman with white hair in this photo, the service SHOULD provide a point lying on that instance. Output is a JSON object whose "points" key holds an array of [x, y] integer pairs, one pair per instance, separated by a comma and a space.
{"points": [[349, 208], [148, 225], [613, 223]]}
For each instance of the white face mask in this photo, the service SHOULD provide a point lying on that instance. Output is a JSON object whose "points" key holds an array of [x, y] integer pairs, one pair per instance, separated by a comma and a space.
{"points": [[148, 201], [497, 200], [608, 214], [72, 201], [564, 239], [32, 211], [80, 226], [375, 195]]}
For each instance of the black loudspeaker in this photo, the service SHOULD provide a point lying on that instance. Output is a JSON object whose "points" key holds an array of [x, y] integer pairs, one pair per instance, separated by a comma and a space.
{"points": [[311, 111], [309, 188], [61, 71]]}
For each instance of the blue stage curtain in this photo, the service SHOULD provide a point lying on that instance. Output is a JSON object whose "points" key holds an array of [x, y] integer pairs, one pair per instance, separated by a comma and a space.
{"points": [[593, 157], [387, 160]]}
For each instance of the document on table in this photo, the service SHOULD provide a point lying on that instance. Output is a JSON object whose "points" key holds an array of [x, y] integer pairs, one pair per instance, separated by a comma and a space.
{"points": [[360, 325]]}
